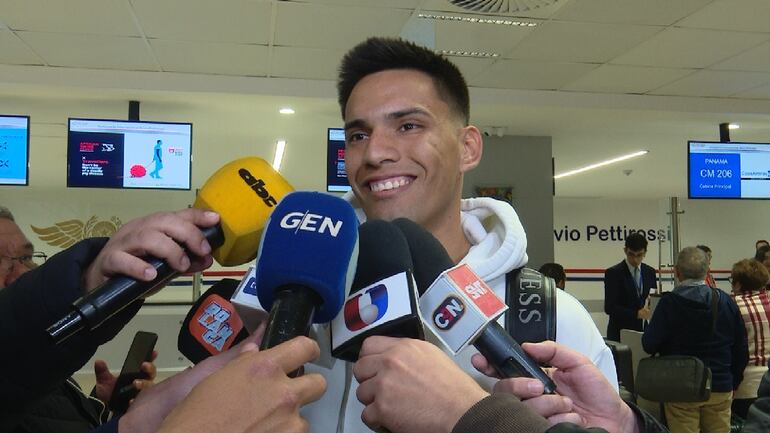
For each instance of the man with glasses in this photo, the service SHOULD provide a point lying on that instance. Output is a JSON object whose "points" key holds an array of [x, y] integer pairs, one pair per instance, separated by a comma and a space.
{"points": [[66, 408], [16, 252], [626, 288]]}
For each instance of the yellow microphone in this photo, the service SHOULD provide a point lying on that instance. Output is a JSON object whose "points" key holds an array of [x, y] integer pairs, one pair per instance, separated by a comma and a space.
{"points": [[244, 193]]}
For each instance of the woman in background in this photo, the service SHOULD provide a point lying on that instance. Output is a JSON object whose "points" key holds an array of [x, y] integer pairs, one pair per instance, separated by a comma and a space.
{"points": [[748, 279]]}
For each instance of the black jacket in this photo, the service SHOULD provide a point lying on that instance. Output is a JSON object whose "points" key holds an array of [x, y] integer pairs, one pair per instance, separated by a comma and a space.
{"points": [[66, 409], [682, 325], [621, 299], [505, 413], [29, 306]]}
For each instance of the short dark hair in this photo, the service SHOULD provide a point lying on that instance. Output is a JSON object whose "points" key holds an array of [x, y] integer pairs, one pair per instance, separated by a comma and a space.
{"points": [[553, 270], [636, 242], [761, 241], [379, 54], [704, 248], [761, 253]]}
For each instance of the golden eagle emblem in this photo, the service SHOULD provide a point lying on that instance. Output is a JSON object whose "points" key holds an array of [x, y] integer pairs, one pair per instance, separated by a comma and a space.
{"points": [[65, 233]]}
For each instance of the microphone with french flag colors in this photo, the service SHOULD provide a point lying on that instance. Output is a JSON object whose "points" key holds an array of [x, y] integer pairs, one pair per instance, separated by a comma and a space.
{"points": [[212, 325], [383, 298], [460, 308], [307, 259], [244, 192]]}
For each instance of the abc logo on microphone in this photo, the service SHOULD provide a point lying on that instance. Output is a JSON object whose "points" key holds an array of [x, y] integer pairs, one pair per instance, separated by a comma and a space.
{"points": [[366, 308]]}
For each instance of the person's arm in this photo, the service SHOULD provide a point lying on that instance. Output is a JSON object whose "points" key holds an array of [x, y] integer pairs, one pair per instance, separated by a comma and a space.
{"points": [[656, 331], [42, 296], [583, 395], [27, 308], [252, 393], [740, 347], [505, 413], [411, 386], [613, 288]]}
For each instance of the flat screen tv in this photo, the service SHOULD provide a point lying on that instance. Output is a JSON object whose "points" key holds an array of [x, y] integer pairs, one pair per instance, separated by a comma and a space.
{"points": [[127, 154], [336, 178], [728, 170], [14, 150]]}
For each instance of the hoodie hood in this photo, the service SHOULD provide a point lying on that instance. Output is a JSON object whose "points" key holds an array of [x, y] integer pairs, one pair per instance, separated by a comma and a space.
{"points": [[498, 241], [694, 300], [498, 238]]}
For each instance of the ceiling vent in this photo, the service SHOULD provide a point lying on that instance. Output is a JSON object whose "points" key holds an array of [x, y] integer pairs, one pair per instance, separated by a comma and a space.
{"points": [[501, 6]]}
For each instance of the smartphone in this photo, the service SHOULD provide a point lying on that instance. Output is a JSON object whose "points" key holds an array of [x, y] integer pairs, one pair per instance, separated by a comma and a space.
{"points": [[140, 351]]}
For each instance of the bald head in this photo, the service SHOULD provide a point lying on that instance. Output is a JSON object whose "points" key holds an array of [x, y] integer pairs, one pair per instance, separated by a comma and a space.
{"points": [[692, 264]]}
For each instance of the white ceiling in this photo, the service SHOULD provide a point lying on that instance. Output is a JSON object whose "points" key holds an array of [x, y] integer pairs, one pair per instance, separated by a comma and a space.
{"points": [[602, 77]]}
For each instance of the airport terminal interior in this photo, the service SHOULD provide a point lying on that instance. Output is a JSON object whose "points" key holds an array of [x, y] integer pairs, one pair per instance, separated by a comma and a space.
{"points": [[599, 118]]}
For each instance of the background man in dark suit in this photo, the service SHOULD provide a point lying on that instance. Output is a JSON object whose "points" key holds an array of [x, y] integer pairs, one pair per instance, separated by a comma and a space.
{"points": [[626, 286]]}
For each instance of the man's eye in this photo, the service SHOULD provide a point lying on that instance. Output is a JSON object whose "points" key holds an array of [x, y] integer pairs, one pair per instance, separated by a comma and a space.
{"points": [[356, 137], [408, 126]]}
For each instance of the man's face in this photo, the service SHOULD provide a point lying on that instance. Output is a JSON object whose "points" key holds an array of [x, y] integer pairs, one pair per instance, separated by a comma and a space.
{"points": [[634, 257], [405, 149], [761, 244], [13, 245]]}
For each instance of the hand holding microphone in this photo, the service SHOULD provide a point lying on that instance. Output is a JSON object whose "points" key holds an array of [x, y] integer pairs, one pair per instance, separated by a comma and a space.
{"points": [[410, 385], [243, 193], [462, 309], [254, 392]]}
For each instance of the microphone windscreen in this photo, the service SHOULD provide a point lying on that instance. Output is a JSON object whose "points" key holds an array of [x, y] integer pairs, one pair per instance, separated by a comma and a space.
{"points": [[428, 255], [383, 299], [244, 192], [212, 325], [310, 240], [382, 252]]}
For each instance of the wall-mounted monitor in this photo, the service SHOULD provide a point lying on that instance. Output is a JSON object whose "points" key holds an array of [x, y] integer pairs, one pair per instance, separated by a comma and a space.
{"points": [[728, 170], [14, 150], [126, 154], [336, 178]]}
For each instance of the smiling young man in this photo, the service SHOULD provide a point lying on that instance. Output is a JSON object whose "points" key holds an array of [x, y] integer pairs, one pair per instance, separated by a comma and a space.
{"points": [[408, 145]]}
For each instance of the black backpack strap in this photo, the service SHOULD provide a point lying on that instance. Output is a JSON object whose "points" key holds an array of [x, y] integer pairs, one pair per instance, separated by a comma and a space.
{"points": [[531, 316], [714, 309]]}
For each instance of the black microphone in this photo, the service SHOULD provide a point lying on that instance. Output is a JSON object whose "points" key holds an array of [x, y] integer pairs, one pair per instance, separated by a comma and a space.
{"points": [[459, 307], [306, 263], [383, 298], [212, 325], [118, 292], [238, 191]]}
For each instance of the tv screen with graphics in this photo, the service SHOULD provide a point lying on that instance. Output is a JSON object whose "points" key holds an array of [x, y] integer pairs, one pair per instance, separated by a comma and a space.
{"points": [[728, 170], [126, 154], [336, 178], [14, 150]]}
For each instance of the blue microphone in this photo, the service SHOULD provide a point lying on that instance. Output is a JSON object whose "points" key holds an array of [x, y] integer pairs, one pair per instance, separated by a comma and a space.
{"points": [[306, 263]]}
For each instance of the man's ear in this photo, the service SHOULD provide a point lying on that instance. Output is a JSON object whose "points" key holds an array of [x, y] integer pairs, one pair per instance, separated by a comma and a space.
{"points": [[472, 148]]}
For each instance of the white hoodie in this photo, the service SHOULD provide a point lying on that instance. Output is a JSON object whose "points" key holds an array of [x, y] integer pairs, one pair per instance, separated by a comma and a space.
{"points": [[498, 245]]}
